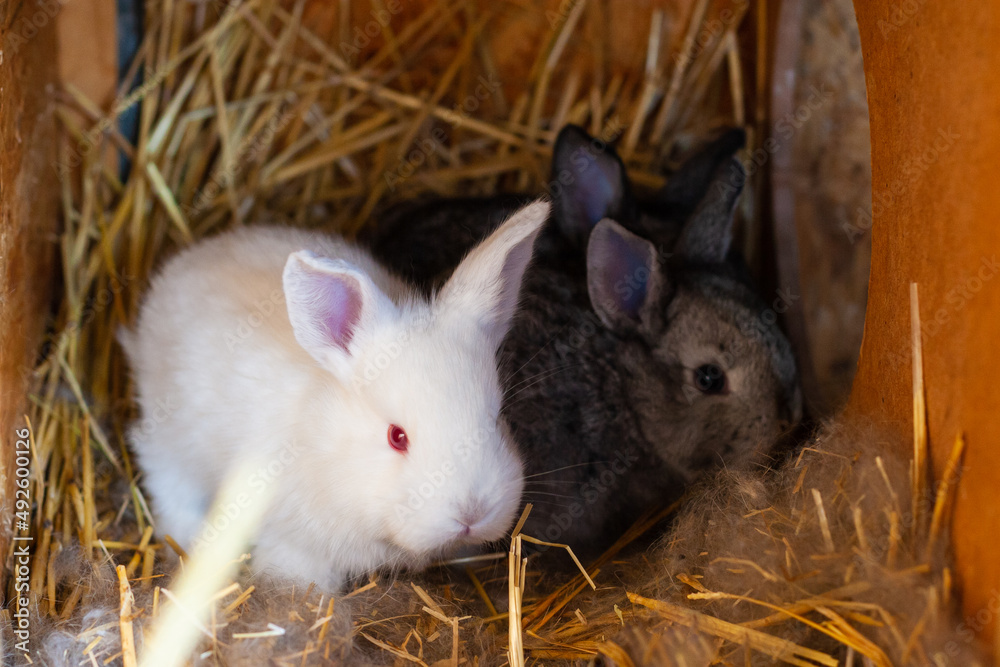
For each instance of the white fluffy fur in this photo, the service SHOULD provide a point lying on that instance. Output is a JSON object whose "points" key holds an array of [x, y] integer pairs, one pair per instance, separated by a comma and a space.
{"points": [[219, 374]]}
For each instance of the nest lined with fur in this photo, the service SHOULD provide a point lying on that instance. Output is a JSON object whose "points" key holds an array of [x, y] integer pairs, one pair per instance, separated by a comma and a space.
{"points": [[820, 562], [253, 113]]}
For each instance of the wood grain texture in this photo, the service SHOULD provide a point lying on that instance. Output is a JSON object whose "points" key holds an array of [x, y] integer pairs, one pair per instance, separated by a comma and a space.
{"points": [[28, 214], [933, 72]]}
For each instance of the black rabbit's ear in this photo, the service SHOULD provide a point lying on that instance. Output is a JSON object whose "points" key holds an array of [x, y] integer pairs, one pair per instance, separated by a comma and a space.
{"points": [[623, 276], [686, 188], [588, 183], [708, 233]]}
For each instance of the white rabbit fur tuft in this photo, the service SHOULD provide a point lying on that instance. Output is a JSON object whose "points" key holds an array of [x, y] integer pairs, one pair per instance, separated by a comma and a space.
{"points": [[225, 368]]}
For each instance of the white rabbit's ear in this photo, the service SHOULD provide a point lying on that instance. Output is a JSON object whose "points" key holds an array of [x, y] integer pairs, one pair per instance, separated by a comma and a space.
{"points": [[485, 287], [623, 276], [329, 302]]}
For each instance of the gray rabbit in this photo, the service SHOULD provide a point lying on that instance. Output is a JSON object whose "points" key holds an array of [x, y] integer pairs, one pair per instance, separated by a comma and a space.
{"points": [[639, 359]]}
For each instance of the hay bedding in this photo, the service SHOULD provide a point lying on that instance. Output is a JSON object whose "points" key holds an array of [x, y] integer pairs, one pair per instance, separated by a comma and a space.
{"points": [[248, 114]]}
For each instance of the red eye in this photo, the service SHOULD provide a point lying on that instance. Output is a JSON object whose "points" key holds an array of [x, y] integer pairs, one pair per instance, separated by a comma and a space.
{"points": [[398, 439]]}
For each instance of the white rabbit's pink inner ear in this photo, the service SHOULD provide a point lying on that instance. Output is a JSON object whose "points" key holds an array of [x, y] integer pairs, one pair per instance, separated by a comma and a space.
{"points": [[339, 302], [325, 305], [622, 274]]}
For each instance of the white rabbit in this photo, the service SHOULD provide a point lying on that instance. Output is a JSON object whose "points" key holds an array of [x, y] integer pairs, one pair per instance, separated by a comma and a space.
{"points": [[377, 409]]}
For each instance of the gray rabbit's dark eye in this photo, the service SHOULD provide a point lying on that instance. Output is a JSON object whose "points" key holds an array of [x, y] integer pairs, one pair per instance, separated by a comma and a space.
{"points": [[710, 379]]}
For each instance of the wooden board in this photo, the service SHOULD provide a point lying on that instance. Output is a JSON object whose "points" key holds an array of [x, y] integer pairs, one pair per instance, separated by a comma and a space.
{"points": [[28, 214], [88, 48], [933, 76]]}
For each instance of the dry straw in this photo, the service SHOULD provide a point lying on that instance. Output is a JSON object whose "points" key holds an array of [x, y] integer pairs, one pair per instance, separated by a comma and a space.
{"points": [[245, 113]]}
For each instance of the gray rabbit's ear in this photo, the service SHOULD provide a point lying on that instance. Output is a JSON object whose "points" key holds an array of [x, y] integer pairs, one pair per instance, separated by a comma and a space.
{"points": [[708, 233], [686, 188], [588, 183], [623, 276]]}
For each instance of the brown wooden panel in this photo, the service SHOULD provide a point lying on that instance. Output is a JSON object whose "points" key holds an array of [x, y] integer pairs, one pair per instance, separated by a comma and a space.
{"points": [[933, 76], [28, 213], [88, 53]]}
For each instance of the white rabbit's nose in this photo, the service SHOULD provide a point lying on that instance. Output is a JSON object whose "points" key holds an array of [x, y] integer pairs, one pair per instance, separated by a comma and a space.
{"points": [[473, 518], [464, 530]]}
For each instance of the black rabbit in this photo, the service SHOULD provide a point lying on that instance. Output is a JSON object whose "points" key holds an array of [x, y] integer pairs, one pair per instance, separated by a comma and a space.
{"points": [[640, 358]]}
